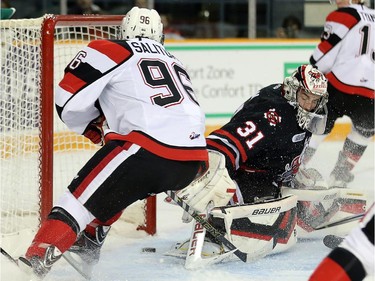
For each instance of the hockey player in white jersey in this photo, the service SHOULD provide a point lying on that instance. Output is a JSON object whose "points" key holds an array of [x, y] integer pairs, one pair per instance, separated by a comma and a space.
{"points": [[346, 55], [354, 258], [153, 139]]}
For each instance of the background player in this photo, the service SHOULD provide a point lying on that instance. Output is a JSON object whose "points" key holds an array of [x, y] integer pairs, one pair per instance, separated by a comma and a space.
{"points": [[346, 55]]}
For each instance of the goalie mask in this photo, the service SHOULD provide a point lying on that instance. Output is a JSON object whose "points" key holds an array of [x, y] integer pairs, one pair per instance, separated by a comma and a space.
{"points": [[142, 22], [309, 81]]}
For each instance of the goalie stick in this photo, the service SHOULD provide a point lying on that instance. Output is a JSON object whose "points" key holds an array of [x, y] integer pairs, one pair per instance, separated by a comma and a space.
{"points": [[194, 258], [341, 221], [211, 229]]}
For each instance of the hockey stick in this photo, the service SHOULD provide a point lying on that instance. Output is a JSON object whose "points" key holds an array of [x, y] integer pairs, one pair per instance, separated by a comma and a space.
{"points": [[214, 232], [341, 221], [9, 257], [20, 263]]}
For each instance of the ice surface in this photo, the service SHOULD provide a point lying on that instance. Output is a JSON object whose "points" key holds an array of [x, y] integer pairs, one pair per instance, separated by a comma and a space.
{"points": [[122, 258]]}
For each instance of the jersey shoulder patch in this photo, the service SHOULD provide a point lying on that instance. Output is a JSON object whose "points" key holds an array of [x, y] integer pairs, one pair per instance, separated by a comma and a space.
{"points": [[116, 50], [346, 16]]}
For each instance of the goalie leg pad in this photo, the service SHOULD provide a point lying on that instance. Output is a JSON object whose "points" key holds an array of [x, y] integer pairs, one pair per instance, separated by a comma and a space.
{"points": [[317, 207], [353, 201], [259, 228], [215, 186]]}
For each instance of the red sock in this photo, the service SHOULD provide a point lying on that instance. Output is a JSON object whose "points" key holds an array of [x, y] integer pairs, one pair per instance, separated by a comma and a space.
{"points": [[51, 232], [329, 270]]}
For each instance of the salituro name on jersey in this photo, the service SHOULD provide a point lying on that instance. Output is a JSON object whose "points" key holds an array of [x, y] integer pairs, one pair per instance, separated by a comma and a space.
{"points": [[142, 47]]}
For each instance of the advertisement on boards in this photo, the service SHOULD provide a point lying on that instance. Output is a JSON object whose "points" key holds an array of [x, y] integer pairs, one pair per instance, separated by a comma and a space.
{"points": [[225, 74]]}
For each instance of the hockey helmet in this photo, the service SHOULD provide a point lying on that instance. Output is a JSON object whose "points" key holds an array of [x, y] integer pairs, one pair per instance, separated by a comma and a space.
{"points": [[312, 81], [142, 22]]}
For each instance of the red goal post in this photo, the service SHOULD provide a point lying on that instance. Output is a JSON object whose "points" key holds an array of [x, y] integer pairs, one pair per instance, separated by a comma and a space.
{"points": [[39, 155]]}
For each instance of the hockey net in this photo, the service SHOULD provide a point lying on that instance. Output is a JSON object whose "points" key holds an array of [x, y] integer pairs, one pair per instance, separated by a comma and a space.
{"points": [[39, 155]]}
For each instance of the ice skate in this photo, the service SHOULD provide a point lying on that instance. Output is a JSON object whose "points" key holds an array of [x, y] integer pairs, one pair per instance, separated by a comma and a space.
{"points": [[85, 252], [38, 267], [341, 176]]}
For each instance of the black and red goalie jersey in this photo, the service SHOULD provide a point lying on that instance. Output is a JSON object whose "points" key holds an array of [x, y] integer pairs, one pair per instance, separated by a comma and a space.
{"points": [[262, 143]]}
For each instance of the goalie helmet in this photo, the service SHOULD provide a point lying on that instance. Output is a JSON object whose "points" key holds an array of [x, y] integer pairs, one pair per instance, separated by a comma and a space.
{"points": [[311, 81], [142, 22]]}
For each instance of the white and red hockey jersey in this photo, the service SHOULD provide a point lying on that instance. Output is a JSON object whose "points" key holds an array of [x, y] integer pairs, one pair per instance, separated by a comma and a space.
{"points": [[353, 259], [142, 90], [346, 53]]}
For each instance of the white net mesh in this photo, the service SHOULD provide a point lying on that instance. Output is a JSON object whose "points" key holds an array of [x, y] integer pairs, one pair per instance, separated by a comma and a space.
{"points": [[19, 119]]}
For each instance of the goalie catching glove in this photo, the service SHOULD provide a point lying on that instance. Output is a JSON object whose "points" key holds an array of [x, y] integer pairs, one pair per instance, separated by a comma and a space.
{"points": [[214, 188], [94, 131]]}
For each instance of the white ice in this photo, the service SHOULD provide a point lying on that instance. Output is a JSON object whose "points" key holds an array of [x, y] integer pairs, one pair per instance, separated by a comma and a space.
{"points": [[122, 259]]}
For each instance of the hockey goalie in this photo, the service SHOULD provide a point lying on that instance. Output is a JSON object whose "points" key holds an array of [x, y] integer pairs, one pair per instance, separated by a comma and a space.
{"points": [[250, 192], [257, 229], [264, 227]]}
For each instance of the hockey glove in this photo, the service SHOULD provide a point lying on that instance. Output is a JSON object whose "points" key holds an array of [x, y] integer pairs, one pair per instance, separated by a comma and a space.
{"points": [[214, 187], [94, 131]]}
